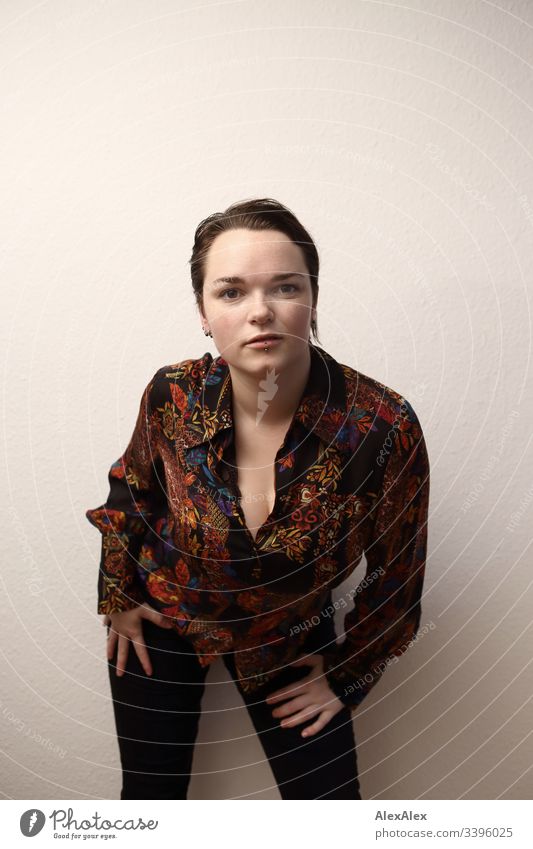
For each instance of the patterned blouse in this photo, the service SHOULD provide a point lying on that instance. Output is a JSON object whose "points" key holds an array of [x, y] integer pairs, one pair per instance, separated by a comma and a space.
{"points": [[351, 477]]}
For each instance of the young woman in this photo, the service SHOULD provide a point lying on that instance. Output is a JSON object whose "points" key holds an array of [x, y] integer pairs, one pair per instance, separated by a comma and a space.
{"points": [[252, 485]]}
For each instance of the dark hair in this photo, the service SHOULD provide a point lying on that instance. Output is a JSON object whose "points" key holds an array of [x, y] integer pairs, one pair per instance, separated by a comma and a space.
{"points": [[255, 214]]}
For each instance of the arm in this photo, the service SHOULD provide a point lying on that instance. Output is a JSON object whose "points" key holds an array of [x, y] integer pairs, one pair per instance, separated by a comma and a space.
{"points": [[125, 517], [387, 610]]}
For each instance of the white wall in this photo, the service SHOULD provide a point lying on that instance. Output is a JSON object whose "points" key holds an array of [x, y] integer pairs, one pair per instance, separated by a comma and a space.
{"points": [[401, 135]]}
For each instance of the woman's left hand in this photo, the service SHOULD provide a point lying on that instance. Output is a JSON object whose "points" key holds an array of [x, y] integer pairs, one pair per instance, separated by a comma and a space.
{"points": [[307, 698]]}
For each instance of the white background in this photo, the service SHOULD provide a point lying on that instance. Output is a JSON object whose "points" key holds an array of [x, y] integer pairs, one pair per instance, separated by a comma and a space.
{"points": [[400, 135]]}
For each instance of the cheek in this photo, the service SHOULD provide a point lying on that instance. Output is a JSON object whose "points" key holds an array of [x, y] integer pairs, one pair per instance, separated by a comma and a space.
{"points": [[224, 320], [228, 329], [297, 315], [228, 323]]}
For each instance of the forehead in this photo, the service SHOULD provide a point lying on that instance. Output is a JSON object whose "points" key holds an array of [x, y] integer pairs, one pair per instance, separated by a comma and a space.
{"points": [[253, 256]]}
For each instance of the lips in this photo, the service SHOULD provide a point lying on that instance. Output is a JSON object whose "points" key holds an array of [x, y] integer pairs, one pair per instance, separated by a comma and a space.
{"points": [[264, 339]]}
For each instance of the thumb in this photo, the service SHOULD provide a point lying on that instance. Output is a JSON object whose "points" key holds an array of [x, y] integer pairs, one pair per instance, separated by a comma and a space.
{"points": [[302, 660], [163, 621], [155, 617]]}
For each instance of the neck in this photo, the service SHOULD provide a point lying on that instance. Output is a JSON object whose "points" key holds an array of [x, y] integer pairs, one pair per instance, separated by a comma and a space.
{"points": [[269, 399]]}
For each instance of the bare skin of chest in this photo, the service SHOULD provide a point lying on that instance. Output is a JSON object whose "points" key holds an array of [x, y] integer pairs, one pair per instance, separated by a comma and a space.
{"points": [[255, 454]]}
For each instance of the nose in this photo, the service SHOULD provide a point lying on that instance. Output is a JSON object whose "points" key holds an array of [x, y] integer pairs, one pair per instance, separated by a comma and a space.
{"points": [[260, 308]]}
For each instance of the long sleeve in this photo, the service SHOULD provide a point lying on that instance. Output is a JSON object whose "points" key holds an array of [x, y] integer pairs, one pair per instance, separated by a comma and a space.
{"points": [[387, 603], [124, 519]]}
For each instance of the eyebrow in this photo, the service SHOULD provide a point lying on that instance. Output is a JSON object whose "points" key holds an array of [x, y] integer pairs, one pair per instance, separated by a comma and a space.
{"points": [[221, 281]]}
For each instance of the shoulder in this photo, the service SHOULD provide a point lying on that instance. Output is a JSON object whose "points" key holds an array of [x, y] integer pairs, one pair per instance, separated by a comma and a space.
{"points": [[386, 409], [185, 376], [191, 370], [397, 439], [369, 394]]}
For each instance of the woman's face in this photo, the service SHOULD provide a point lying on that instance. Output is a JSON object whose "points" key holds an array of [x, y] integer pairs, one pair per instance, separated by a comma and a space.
{"points": [[253, 302]]}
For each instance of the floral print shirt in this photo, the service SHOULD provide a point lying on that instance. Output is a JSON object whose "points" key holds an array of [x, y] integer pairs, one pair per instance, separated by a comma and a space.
{"points": [[351, 478]]}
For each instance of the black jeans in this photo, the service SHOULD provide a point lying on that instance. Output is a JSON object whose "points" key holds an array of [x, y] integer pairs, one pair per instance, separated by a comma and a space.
{"points": [[157, 721]]}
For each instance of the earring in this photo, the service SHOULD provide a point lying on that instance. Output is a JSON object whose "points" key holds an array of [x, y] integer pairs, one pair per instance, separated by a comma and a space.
{"points": [[207, 332]]}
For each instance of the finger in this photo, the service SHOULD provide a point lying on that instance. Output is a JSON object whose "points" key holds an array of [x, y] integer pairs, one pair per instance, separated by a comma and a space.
{"points": [[122, 654], [142, 653], [287, 692], [112, 638], [300, 717], [317, 726], [290, 707]]}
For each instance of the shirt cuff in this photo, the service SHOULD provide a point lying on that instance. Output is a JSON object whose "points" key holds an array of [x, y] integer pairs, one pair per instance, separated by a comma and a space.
{"points": [[348, 695], [350, 690], [114, 599]]}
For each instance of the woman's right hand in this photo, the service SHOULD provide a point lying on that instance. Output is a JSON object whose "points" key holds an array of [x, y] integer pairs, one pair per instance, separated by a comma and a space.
{"points": [[126, 626]]}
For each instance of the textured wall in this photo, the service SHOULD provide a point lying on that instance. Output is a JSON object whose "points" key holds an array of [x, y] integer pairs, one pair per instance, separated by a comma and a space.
{"points": [[401, 135]]}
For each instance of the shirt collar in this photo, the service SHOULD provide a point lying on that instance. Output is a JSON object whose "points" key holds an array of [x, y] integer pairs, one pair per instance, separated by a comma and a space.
{"points": [[323, 407]]}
